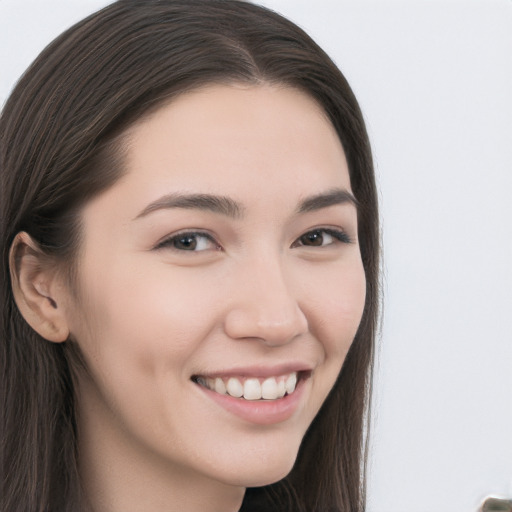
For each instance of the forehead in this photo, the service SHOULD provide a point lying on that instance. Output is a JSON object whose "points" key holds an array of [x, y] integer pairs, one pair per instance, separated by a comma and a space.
{"points": [[248, 129], [253, 143]]}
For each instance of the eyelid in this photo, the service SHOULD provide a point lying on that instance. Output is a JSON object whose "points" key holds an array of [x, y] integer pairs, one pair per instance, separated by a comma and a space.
{"points": [[167, 241], [338, 233]]}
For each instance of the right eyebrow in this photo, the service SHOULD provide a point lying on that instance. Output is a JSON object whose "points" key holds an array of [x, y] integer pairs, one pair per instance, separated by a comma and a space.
{"points": [[213, 203]]}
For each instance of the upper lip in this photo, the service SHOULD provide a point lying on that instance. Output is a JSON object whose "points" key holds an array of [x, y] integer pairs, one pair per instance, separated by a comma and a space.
{"points": [[258, 370]]}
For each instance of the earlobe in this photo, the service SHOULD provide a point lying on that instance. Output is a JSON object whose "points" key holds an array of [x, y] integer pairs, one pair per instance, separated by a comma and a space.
{"points": [[36, 289]]}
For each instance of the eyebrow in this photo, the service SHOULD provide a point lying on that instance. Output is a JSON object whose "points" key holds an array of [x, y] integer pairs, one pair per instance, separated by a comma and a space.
{"points": [[217, 204], [324, 200], [231, 208]]}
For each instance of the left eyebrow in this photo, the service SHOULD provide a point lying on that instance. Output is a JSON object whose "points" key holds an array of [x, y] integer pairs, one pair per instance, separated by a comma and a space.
{"points": [[326, 199]]}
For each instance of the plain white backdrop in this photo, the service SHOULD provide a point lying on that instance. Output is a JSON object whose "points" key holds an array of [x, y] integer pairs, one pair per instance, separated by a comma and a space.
{"points": [[434, 80]]}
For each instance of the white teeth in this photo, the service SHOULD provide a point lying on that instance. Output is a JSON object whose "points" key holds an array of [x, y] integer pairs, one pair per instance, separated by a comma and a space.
{"points": [[281, 389], [220, 387], [235, 388], [252, 389], [269, 389], [291, 382]]}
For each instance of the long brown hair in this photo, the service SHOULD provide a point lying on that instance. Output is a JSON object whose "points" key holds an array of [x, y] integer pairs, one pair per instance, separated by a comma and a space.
{"points": [[59, 135]]}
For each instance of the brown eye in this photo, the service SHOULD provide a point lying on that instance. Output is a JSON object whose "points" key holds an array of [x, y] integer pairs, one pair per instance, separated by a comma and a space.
{"points": [[191, 242], [314, 238], [322, 238], [185, 243]]}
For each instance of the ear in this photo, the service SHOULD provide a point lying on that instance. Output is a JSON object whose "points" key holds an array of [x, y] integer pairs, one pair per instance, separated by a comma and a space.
{"points": [[37, 290]]}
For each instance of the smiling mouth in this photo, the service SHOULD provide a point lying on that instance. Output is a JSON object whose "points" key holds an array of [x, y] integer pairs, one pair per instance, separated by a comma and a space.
{"points": [[251, 388]]}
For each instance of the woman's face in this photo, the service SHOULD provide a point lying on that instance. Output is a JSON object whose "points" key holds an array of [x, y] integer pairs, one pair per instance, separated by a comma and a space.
{"points": [[226, 257]]}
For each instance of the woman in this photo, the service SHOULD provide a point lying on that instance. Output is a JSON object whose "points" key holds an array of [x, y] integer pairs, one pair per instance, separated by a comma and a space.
{"points": [[190, 254]]}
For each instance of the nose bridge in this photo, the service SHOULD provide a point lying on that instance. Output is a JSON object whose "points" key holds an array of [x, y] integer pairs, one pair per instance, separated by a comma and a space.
{"points": [[266, 304]]}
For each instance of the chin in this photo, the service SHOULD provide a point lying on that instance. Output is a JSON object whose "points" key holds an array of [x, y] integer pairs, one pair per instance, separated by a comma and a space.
{"points": [[260, 471]]}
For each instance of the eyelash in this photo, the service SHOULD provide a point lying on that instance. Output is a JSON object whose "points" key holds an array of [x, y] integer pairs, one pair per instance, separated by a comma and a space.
{"points": [[193, 236], [174, 239], [337, 234]]}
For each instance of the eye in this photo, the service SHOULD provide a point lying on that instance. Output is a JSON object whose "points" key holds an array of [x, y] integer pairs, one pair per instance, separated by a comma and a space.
{"points": [[189, 241], [322, 238]]}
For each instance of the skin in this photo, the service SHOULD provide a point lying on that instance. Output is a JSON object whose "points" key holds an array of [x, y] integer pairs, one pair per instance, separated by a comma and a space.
{"points": [[148, 317]]}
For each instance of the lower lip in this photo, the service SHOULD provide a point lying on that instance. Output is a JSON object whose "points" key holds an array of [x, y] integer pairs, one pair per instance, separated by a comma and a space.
{"points": [[260, 412]]}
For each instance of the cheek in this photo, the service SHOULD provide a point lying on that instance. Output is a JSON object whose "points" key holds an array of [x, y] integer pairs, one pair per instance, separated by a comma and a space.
{"points": [[338, 309], [139, 333], [138, 322]]}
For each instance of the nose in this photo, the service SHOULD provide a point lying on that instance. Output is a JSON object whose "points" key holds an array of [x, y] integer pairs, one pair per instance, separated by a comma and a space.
{"points": [[265, 306]]}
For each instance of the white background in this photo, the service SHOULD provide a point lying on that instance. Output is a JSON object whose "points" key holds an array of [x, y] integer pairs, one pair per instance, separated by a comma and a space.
{"points": [[434, 79]]}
